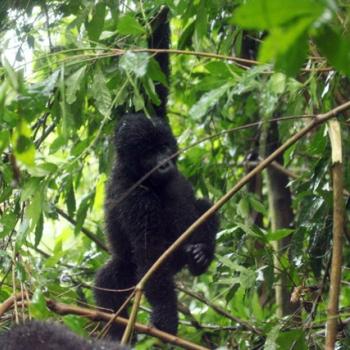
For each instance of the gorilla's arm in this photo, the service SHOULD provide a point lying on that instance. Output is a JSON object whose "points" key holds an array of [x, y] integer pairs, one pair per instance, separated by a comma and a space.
{"points": [[201, 246]]}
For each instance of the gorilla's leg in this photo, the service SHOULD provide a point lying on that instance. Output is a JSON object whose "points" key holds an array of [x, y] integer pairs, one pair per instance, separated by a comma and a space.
{"points": [[115, 275], [160, 293]]}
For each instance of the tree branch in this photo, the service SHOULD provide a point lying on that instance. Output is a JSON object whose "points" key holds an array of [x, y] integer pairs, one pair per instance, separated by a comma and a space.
{"points": [[318, 120], [96, 315], [338, 227]]}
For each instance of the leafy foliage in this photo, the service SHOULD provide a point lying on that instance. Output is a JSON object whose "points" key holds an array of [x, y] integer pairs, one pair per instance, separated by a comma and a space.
{"points": [[70, 69]]}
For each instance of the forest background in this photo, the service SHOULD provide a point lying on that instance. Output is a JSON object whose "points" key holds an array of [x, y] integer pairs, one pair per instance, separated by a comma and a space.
{"points": [[246, 76]]}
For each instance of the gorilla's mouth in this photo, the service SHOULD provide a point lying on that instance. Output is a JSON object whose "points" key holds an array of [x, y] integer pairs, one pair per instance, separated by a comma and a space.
{"points": [[165, 167]]}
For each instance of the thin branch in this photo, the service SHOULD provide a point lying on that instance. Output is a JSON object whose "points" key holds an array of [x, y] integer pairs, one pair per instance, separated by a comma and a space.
{"points": [[9, 302], [45, 134], [318, 120], [207, 138], [106, 52], [242, 61], [220, 310], [278, 167], [87, 232], [96, 315], [132, 319], [312, 313], [116, 314]]}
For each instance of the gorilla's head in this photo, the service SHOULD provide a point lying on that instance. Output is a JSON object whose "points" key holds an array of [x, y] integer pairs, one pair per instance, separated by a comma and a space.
{"points": [[144, 144]]}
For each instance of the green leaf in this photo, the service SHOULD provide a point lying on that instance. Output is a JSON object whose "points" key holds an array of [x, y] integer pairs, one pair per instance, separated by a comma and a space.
{"points": [[37, 306], [155, 72], [7, 224], [43, 169], [135, 62], [267, 14], [277, 83], [62, 103], [243, 207], [336, 48], [185, 38], [290, 62], [70, 199], [257, 205], [34, 209], [22, 232], [85, 204], [279, 234], [128, 25], [22, 143], [207, 101], [12, 75], [39, 230], [4, 139], [202, 20], [292, 339], [251, 232], [150, 90], [101, 93], [30, 188], [57, 144], [73, 84], [75, 323], [95, 26], [287, 46]]}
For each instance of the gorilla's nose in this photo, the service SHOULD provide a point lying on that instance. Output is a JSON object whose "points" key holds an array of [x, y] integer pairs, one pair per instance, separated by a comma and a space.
{"points": [[165, 167]]}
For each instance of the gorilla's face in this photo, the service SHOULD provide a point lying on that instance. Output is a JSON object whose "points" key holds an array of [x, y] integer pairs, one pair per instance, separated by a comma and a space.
{"points": [[144, 145]]}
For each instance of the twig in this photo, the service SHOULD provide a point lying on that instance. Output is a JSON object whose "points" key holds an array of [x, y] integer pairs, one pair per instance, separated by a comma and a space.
{"points": [[312, 313], [87, 232], [278, 167], [318, 120], [96, 315], [220, 310], [338, 227], [8, 303], [116, 314], [45, 134], [235, 59], [14, 282], [207, 138], [132, 318]]}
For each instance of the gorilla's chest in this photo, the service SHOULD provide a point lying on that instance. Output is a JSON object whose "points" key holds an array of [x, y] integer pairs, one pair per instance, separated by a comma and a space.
{"points": [[177, 215]]}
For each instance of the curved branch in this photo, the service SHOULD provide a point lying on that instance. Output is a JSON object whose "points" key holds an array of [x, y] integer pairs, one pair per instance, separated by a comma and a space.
{"points": [[318, 120]]}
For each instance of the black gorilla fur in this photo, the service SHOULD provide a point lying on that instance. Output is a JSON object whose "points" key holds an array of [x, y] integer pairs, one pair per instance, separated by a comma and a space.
{"points": [[143, 223], [36, 335]]}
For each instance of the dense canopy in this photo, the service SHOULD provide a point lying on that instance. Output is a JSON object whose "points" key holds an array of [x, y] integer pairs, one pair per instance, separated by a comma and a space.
{"points": [[246, 77]]}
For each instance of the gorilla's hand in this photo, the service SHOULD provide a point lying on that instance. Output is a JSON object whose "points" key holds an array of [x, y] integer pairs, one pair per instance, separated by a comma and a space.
{"points": [[198, 252]]}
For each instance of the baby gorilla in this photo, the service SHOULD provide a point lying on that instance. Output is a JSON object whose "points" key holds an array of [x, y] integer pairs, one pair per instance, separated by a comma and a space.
{"points": [[49, 336], [144, 222]]}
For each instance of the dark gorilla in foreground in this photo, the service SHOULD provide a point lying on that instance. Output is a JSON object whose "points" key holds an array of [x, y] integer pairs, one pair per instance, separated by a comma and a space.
{"points": [[36, 335], [143, 223]]}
